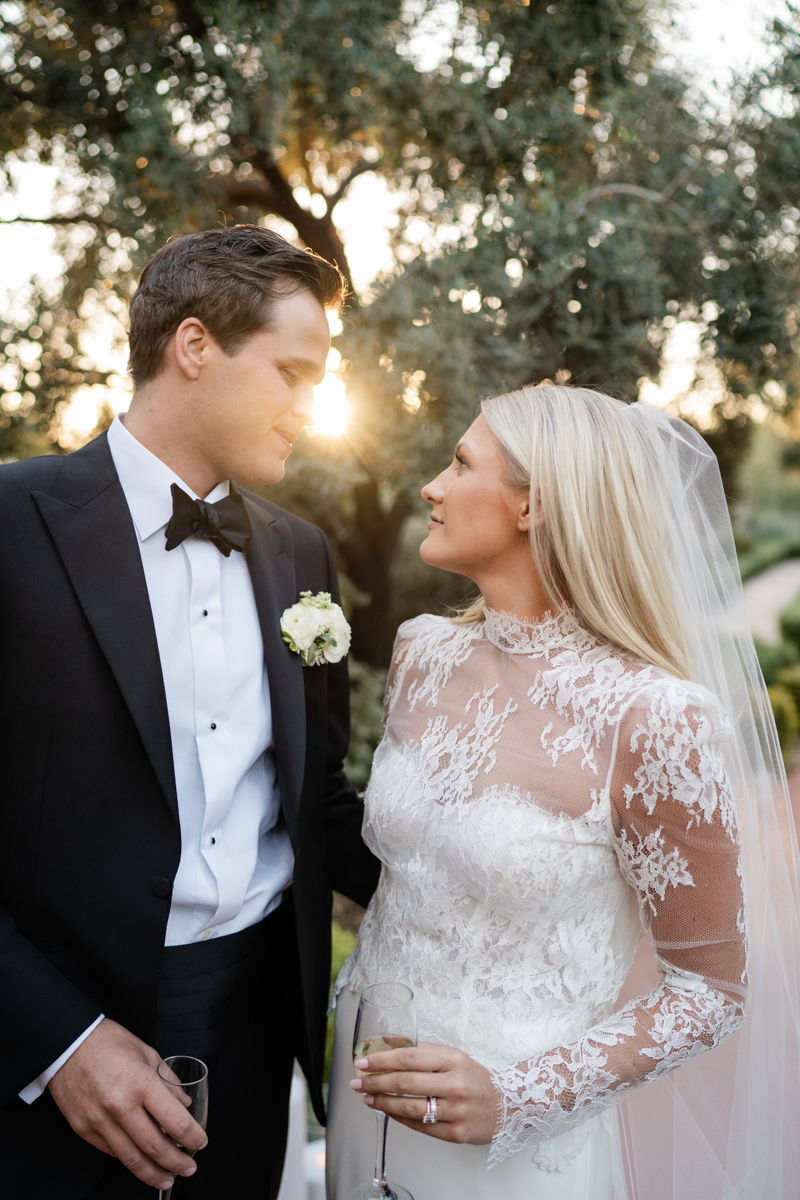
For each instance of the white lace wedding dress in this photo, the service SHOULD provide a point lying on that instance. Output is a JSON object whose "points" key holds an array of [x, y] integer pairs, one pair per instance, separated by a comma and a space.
{"points": [[538, 799]]}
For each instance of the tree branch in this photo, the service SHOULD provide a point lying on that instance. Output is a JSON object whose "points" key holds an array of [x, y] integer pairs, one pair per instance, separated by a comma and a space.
{"points": [[632, 189], [627, 189], [358, 169], [190, 18], [680, 179], [80, 219], [274, 194]]}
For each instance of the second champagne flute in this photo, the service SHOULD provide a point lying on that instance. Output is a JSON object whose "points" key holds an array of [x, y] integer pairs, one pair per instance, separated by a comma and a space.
{"points": [[386, 1020], [189, 1077]]}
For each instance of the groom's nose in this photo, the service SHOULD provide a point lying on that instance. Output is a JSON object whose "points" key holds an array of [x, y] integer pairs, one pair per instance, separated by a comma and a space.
{"points": [[303, 405]]}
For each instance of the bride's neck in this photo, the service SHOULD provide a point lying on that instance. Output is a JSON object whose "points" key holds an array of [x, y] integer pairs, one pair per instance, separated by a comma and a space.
{"points": [[516, 588]]}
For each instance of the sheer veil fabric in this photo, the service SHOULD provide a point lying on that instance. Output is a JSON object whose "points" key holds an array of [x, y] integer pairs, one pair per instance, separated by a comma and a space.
{"points": [[728, 1123]]}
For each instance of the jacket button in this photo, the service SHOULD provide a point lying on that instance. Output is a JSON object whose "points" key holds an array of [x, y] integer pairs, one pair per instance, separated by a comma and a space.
{"points": [[161, 886]]}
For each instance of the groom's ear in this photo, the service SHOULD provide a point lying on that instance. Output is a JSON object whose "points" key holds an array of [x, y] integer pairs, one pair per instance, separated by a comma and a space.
{"points": [[191, 347]]}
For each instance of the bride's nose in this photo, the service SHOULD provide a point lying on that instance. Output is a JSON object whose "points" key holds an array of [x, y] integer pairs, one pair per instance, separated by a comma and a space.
{"points": [[433, 492]]}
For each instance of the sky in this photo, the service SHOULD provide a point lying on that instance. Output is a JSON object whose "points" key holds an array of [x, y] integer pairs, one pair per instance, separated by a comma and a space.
{"points": [[714, 39]]}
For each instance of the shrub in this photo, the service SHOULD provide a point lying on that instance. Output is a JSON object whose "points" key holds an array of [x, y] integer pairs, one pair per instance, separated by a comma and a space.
{"points": [[789, 677], [790, 622], [766, 554], [342, 945], [787, 718], [773, 659], [367, 685]]}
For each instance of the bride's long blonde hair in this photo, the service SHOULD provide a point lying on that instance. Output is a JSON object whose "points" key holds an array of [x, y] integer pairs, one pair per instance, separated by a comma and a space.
{"points": [[598, 549]]}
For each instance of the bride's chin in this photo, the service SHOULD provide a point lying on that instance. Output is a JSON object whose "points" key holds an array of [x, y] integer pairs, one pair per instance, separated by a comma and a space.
{"points": [[427, 553]]}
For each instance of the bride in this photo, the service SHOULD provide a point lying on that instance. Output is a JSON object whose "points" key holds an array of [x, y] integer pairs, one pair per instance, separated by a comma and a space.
{"points": [[582, 759]]}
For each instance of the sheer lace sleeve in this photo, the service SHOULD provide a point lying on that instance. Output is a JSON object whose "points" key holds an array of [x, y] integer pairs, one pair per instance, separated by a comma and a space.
{"points": [[677, 845]]}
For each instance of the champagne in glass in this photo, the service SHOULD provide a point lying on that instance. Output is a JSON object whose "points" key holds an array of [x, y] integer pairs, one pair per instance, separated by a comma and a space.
{"points": [[386, 1021], [375, 1045], [189, 1077]]}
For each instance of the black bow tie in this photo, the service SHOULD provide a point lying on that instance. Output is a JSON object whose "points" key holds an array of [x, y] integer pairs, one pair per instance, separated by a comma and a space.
{"points": [[225, 523]]}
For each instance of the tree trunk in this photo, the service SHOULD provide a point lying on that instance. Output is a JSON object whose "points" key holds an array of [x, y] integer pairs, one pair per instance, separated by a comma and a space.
{"points": [[730, 440], [368, 555]]}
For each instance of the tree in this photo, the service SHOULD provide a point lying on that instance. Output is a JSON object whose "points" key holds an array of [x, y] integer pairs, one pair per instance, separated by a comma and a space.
{"points": [[562, 202]]}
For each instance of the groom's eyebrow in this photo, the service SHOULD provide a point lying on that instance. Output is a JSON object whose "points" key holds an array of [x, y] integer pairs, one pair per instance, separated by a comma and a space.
{"points": [[306, 366]]}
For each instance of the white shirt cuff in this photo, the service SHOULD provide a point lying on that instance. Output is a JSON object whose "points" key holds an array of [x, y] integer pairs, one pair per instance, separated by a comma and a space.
{"points": [[34, 1090]]}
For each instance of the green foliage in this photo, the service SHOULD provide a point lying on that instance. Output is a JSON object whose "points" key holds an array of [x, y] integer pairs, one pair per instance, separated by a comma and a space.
{"points": [[367, 686], [773, 659], [789, 677], [767, 554], [767, 517], [562, 203], [343, 943], [790, 622], [787, 718]]}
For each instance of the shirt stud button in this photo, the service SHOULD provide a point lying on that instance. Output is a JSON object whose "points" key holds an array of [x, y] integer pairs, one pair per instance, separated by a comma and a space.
{"points": [[205, 612], [213, 724], [213, 841]]}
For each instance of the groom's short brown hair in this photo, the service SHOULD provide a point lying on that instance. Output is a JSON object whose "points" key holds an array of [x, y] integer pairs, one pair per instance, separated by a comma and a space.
{"points": [[227, 278]]}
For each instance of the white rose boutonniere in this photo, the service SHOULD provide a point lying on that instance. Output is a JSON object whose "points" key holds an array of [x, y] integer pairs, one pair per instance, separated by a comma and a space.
{"points": [[316, 629]]}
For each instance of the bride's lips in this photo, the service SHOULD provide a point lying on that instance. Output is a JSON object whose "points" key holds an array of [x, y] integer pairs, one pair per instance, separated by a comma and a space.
{"points": [[435, 522]]}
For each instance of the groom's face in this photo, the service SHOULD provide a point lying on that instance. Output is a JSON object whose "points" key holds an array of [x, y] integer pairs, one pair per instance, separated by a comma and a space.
{"points": [[253, 405]]}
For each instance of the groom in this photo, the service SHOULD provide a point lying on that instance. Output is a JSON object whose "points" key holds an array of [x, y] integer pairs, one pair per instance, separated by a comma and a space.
{"points": [[174, 812]]}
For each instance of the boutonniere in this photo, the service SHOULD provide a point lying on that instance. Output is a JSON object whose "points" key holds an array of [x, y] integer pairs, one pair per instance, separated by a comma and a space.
{"points": [[316, 629]]}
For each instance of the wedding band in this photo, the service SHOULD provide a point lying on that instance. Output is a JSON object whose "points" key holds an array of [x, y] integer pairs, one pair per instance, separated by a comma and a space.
{"points": [[430, 1112]]}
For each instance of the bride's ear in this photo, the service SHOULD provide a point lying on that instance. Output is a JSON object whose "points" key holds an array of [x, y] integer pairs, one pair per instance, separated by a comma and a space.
{"points": [[525, 518]]}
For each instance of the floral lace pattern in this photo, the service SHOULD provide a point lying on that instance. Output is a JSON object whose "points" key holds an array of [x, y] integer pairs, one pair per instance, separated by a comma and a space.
{"points": [[553, 1093], [679, 757], [539, 801], [650, 868]]}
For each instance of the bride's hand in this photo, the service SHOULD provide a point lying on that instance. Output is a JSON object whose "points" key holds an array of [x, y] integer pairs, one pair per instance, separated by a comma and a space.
{"points": [[467, 1104]]}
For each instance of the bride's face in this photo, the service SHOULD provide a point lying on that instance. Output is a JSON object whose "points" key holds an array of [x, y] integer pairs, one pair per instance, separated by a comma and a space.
{"points": [[478, 520]]}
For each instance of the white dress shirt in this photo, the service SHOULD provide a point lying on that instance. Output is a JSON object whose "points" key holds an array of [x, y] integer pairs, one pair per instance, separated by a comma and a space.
{"points": [[236, 857]]}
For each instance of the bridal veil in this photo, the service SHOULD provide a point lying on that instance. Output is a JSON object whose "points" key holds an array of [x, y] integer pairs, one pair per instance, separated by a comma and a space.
{"points": [[726, 1125]]}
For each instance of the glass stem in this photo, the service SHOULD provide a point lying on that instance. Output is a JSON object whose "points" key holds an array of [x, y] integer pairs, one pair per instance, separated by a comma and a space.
{"points": [[379, 1185]]}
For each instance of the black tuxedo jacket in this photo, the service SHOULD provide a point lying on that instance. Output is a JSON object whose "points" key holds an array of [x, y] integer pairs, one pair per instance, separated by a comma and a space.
{"points": [[88, 806]]}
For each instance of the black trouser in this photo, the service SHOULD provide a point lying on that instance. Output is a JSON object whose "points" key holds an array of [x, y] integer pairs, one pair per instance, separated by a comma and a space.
{"points": [[234, 1002]]}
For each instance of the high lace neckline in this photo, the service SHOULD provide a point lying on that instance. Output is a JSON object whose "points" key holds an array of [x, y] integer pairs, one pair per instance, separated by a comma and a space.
{"points": [[513, 635]]}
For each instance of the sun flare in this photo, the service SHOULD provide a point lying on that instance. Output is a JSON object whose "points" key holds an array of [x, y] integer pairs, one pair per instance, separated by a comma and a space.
{"points": [[330, 406], [330, 397]]}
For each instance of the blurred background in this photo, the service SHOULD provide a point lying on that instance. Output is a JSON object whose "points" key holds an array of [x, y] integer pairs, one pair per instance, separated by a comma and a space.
{"points": [[605, 192]]}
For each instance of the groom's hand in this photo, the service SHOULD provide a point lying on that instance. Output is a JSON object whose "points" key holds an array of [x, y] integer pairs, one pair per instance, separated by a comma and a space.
{"points": [[112, 1097]]}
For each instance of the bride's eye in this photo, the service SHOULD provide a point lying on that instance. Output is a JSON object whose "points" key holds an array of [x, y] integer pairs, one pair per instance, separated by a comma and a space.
{"points": [[460, 461]]}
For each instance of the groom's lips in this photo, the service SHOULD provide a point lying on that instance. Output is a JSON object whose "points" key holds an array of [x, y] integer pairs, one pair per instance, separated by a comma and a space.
{"points": [[289, 435]]}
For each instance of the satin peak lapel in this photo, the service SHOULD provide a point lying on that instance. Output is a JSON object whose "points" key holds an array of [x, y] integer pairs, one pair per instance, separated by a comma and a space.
{"points": [[91, 526], [270, 558]]}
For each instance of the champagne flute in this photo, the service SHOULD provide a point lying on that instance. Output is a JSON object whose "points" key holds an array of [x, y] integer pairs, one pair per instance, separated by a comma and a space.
{"points": [[188, 1077], [386, 1021]]}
